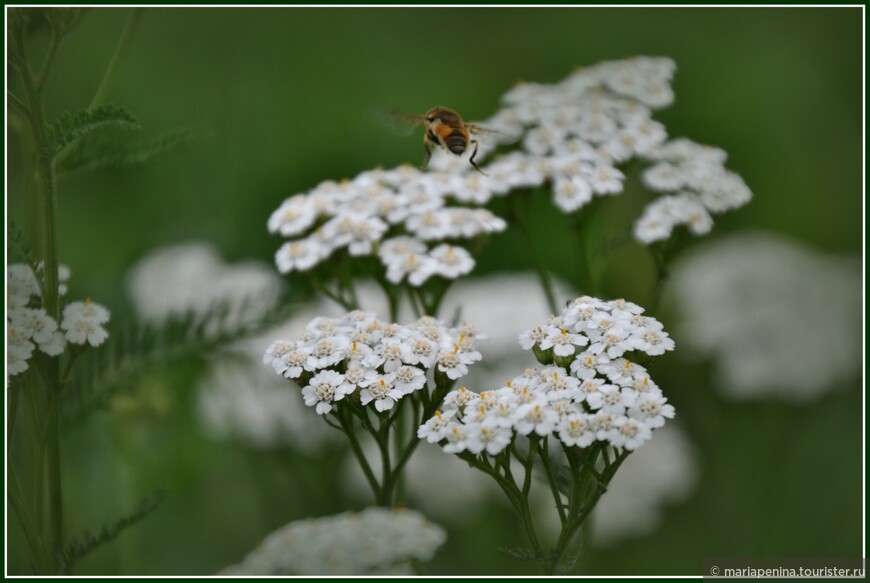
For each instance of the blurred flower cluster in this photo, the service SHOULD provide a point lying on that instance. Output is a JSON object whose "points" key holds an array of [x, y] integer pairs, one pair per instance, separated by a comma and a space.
{"points": [[29, 327], [374, 541], [193, 278], [660, 475], [778, 318], [605, 396], [333, 357]]}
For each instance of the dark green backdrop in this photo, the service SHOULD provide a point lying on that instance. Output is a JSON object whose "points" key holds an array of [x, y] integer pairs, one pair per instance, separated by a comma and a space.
{"points": [[288, 98]]}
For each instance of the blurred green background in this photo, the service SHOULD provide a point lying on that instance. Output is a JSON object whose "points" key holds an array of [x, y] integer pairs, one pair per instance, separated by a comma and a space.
{"points": [[289, 98]]}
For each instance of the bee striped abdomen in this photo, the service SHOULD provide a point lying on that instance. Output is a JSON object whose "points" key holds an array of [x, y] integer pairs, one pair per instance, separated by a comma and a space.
{"points": [[456, 142]]}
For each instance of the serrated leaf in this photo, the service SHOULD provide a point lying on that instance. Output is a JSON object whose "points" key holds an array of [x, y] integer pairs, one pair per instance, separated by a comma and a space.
{"points": [[109, 150], [87, 542], [21, 244], [67, 128], [519, 553]]}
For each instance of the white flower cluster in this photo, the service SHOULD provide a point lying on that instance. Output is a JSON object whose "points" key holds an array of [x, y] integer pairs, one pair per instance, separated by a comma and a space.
{"points": [[377, 362], [702, 185], [396, 214], [28, 326], [605, 396], [374, 541], [778, 318], [575, 133]]}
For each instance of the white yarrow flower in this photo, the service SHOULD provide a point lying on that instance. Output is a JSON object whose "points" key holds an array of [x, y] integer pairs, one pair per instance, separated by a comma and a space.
{"points": [[324, 389], [82, 323]]}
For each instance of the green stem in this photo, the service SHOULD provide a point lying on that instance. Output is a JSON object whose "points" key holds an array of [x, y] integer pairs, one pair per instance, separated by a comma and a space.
{"points": [[382, 437], [49, 59], [418, 311], [321, 287], [27, 525], [112, 70], [39, 461], [403, 459], [50, 299], [518, 499], [518, 215], [55, 490], [509, 488], [345, 279], [578, 225], [19, 103], [438, 298], [522, 506], [578, 513], [426, 308], [11, 414], [47, 179], [389, 292], [543, 448], [347, 427]]}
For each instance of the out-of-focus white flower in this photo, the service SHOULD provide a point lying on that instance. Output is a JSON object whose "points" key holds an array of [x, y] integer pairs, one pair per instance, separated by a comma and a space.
{"points": [[21, 285], [239, 398], [657, 476], [63, 274], [778, 318], [500, 305], [34, 324], [29, 326], [451, 261], [439, 485], [82, 323], [376, 540], [19, 349], [192, 277]]}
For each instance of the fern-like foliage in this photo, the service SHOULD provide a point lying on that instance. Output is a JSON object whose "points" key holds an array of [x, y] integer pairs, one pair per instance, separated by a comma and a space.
{"points": [[87, 542], [141, 349], [19, 245], [110, 150], [68, 128]]}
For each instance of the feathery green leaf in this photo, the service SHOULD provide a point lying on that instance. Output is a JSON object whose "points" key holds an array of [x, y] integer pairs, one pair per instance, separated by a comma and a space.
{"points": [[110, 150], [143, 349], [67, 128], [20, 243], [87, 542]]}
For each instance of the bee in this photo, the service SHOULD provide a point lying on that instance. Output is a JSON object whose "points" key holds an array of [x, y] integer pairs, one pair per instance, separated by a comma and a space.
{"points": [[445, 128]]}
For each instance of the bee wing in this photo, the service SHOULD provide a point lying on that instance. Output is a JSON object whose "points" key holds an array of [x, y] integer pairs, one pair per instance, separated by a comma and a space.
{"points": [[493, 135], [401, 122]]}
